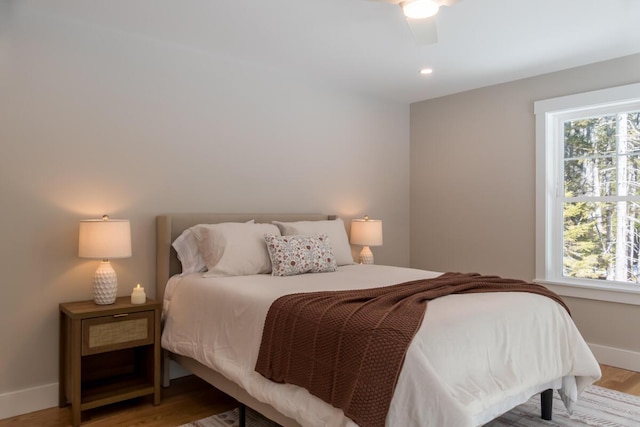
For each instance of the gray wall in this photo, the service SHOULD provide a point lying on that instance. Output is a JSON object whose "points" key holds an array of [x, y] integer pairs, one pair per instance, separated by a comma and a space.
{"points": [[96, 121], [473, 186]]}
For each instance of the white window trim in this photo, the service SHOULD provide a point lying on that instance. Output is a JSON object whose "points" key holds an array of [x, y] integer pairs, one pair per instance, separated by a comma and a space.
{"points": [[547, 183]]}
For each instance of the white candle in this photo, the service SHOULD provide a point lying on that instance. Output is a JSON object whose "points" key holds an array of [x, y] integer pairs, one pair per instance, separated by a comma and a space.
{"points": [[138, 296]]}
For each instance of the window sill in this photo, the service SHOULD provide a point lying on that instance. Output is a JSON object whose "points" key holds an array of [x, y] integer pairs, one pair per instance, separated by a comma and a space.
{"points": [[622, 295]]}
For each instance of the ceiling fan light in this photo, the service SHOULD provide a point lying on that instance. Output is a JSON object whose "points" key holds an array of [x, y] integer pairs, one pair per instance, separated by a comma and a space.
{"points": [[420, 9]]}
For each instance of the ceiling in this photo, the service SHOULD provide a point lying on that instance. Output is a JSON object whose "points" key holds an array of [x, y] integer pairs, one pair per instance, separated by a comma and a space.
{"points": [[366, 46]]}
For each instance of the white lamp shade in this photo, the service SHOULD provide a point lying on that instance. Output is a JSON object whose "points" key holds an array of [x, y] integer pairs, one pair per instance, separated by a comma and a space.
{"points": [[104, 239], [366, 232]]}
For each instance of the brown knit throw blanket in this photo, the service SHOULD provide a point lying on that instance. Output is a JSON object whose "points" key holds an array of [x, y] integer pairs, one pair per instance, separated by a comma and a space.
{"points": [[347, 347]]}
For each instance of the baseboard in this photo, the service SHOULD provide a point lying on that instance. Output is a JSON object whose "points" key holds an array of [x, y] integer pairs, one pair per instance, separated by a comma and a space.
{"points": [[617, 357], [28, 400], [43, 397], [176, 371]]}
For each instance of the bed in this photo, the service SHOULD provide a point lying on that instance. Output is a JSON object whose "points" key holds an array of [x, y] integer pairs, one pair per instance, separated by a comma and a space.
{"points": [[474, 357]]}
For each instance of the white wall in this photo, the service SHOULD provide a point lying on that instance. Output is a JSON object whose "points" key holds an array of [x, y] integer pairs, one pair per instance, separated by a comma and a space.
{"points": [[97, 121], [473, 190]]}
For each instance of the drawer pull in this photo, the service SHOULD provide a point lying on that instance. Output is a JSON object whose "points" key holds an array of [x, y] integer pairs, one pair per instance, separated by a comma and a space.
{"points": [[121, 315]]}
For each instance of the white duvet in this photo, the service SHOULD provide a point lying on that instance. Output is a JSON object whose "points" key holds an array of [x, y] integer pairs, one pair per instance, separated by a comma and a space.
{"points": [[474, 357]]}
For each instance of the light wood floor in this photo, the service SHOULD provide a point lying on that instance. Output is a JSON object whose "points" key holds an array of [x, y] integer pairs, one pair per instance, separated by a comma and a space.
{"points": [[189, 399], [620, 380]]}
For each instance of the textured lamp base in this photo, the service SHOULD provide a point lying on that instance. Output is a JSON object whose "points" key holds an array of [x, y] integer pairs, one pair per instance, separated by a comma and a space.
{"points": [[105, 284], [366, 256]]}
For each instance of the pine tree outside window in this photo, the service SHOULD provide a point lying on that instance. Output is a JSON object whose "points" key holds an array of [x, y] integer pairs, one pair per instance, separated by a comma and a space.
{"points": [[588, 190]]}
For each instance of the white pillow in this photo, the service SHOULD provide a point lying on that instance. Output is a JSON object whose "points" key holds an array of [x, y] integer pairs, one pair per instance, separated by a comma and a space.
{"points": [[186, 246], [334, 229], [234, 249]]}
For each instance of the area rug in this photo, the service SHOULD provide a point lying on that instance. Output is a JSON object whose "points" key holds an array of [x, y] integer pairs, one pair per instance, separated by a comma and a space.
{"points": [[597, 407]]}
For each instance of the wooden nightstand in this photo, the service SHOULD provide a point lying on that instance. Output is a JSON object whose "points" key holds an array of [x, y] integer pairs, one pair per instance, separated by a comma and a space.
{"points": [[108, 353]]}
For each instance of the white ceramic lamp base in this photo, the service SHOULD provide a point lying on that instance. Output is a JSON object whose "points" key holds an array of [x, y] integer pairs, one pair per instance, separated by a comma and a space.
{"points": [[105, 284], [366, 256]]}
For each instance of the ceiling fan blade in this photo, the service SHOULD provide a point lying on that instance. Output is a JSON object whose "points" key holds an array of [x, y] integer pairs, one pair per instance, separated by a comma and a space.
{"points": [[424, 31]]}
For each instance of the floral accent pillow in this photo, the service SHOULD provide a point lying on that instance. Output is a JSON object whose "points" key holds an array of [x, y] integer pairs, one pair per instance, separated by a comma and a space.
{"points": [[291, 255]]}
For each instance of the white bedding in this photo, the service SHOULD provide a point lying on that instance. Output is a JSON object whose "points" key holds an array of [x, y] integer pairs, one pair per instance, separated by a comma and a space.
{"points": [[474, 357]]}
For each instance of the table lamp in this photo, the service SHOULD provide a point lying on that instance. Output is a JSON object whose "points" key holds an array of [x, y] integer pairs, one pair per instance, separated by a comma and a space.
{"points": [[366, 232], [103, 239]]}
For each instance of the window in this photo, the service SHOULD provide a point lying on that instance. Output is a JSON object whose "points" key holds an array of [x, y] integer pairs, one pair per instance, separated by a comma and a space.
{"points": [[588, 192]]}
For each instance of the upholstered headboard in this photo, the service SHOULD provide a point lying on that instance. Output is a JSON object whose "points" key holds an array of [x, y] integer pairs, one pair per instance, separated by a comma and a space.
{"points": [[169, 227]]}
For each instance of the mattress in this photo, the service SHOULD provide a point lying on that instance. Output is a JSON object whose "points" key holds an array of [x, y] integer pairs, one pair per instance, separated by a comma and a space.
{"points": [[474, 357]]}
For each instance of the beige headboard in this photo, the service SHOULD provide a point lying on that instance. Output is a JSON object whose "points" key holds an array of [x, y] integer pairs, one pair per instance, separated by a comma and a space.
{"points": [[169, 227]]}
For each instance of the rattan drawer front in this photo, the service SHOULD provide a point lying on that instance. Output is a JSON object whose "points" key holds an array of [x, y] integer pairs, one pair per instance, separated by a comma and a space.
{"points": [[110, 333]]}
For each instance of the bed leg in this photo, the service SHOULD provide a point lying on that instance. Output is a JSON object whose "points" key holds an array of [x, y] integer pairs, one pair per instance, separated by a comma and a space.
{"points": [[242, 415], [546, 404], [164, 366]]}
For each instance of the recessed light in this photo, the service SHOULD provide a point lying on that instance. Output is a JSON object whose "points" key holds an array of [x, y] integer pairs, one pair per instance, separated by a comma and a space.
{"points": [[426, 71]]}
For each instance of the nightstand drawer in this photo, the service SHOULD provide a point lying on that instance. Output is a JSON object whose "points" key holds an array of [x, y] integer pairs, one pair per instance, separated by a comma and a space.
{"points": [[116, 332]]}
